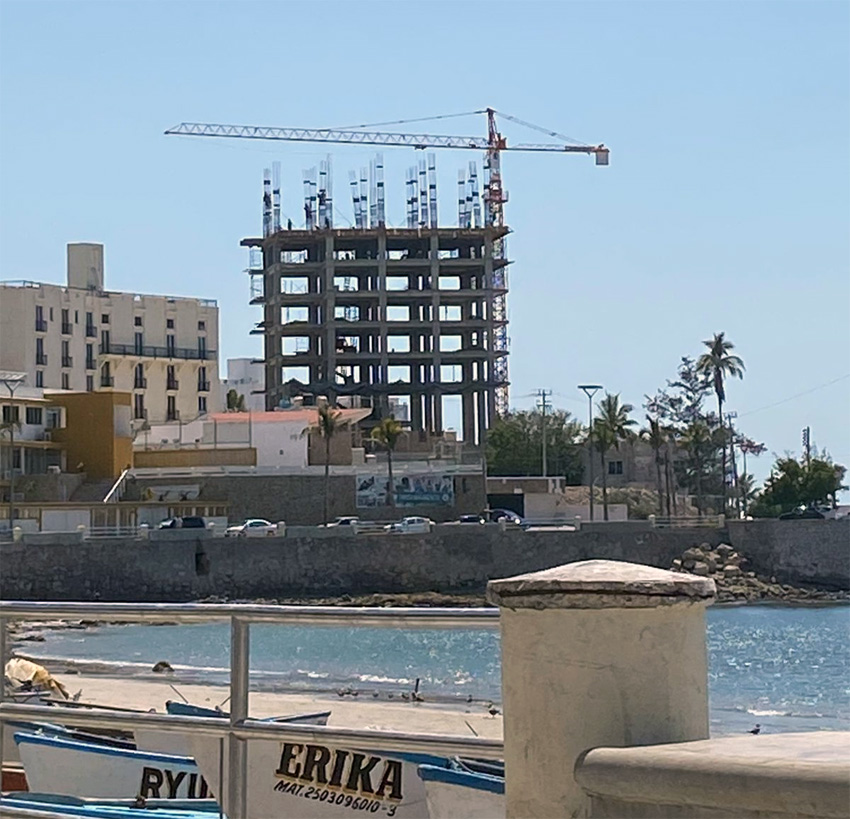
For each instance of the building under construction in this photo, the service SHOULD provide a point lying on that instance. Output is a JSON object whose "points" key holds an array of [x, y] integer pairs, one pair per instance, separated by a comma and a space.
{"points": [[396, 318]]}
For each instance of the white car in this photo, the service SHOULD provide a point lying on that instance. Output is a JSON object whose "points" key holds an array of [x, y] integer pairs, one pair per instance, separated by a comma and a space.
{"points": [[411, 526], [253, 527]]}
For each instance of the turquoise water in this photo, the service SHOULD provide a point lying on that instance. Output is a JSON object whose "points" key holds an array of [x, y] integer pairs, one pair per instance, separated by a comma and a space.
{"points": [[783, 667]]}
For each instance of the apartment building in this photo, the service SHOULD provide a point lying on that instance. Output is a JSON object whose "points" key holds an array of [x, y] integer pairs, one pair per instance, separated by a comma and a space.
{"points": [[82, 337]]}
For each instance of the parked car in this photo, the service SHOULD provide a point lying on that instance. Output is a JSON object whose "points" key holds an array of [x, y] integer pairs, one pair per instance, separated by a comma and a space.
{"points": [[346, 520], [505, 514], [476, 519], [411, 525], [802, 513], [253, 527], [185, 522]]}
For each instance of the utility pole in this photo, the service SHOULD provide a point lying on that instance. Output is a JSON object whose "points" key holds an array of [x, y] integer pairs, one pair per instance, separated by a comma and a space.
{"points": [[542, 395], [590, 390], [807, 445], [730, 416], [12, 382]]}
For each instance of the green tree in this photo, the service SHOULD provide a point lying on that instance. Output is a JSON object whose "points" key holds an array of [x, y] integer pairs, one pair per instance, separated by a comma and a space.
{"points": [[387, 433], [717, 364], [235, 401], [327, 425], [794, 483], [514, 445], [611, 426], [696, 439]]}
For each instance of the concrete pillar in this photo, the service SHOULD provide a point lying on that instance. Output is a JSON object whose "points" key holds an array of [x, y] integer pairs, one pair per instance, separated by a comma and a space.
{"points": [[595, 653]]}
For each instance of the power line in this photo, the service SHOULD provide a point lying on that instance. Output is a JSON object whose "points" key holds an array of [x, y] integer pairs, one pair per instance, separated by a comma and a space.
{"points": [[796, 395]]}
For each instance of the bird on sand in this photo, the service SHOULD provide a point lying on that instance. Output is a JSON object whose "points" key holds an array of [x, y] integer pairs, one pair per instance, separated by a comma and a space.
{"points": [[493, 711], [756, 730]]}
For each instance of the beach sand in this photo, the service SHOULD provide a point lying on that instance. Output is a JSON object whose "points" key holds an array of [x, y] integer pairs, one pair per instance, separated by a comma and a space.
{"points": [[362, 712]]}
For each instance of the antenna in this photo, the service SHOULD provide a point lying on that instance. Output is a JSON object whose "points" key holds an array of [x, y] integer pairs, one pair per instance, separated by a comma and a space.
{"points": [[329, 194], [379, 184], [423, 194], [476, 200], [364, 198], [461, 199]]}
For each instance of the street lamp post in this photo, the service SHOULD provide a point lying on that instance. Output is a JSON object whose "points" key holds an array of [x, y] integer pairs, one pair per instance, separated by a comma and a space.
{"points": [[590, 390], [12, 381]]}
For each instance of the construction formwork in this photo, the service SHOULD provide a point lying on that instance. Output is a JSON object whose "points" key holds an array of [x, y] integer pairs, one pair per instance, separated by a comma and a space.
{"points": [[380, 312]]}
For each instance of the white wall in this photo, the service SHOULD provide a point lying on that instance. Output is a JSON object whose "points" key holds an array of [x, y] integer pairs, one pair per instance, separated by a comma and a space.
{"points": [[548, 506]]}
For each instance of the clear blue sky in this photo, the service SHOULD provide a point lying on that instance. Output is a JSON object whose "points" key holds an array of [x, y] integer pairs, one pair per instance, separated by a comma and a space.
{"points": [[726, 205]]}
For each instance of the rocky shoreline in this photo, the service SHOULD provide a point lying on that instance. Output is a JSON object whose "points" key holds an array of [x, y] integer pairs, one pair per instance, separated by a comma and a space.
{"points": [[735, 584]]}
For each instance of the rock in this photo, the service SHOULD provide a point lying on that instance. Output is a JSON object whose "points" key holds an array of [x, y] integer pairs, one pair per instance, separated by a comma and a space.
{"points": [[31, 637], [700, 569], [724, 549], [677, 564], [162, 667], [731, 571], [711, 562], [704, 547], [691, 554], [689, 564]]}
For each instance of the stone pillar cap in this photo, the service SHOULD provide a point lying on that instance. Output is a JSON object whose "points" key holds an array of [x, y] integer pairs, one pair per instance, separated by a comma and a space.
{"points": [[600, 584]]}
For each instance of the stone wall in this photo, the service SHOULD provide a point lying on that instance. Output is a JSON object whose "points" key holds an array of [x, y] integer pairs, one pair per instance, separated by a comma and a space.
{"points": [[453, 558]]}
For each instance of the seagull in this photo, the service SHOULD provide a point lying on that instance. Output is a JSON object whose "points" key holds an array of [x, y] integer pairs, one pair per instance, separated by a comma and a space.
{"points": [[755, 730], [493, 711]]}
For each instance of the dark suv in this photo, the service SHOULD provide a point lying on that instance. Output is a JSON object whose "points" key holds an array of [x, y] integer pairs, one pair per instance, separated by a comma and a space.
{"points": [[188, 522]]}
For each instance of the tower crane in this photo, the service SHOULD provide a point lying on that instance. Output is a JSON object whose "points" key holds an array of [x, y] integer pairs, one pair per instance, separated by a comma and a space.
{"points": [[494, 195]]}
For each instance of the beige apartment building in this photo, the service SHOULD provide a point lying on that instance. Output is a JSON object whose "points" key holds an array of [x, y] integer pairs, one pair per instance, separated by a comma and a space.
{"points": [[82, 337]]}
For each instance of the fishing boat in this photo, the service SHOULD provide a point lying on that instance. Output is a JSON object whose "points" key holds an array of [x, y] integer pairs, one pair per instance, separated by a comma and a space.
{"points": [[58, 765], [478, 787], [315, 780], [63, 807]]}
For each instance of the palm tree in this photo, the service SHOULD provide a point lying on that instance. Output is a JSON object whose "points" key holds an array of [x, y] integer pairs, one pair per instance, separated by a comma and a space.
{"points": [[718, 363], [327, 425], [387, 433], [656, 436], [610, 427], [696, 439]]}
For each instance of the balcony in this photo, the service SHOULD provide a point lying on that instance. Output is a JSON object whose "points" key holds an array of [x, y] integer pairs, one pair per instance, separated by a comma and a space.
{"points": [[40, 326], [203, 386], [172, 415], [147, 351], [172, 384], [107, 381], [67, 361], [140, 383], [67, 328], [41, 359], [91, 331]]}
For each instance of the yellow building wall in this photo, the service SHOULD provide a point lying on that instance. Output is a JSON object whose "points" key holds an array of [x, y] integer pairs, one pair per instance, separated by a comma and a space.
{"points": [[246, 456], [97, 434]]}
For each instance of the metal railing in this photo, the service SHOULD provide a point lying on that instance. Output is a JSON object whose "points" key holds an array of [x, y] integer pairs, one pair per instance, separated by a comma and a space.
{"points": [[239, 727], [114, 495], [704, 522], [150, 351]]}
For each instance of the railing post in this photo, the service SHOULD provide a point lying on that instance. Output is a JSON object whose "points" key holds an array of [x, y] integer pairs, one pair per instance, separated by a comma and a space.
{"points": [[237, 769], [651, 520], [595, 653]]}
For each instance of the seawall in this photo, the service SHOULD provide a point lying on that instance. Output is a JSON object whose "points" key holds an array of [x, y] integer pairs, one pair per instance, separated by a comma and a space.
{"points": [[452, 558]]}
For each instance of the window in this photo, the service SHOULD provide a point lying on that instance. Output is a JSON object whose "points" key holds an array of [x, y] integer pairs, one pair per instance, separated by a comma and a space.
{"points": [[66, 381], [91, 330], [202, 325], [203, 384], [106, 379], [34, 415], [171, 382], [66, 321], [139, 406], [171, 408], [67, 361], [89, 383], [139, 343], [169, 324], [51, 314], [40, 357], [39, 378], [104, 341], [202, 403], [139, 381], [169, 344], [137, 321], [104, 319], [76, 316], [40, 323], [615, 467], [89, 356], [202, 347], [54, 418], [11, 414]]}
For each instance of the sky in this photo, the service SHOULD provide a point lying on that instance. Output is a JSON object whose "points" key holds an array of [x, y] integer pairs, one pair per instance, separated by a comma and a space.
{"points": [[725, 207]]}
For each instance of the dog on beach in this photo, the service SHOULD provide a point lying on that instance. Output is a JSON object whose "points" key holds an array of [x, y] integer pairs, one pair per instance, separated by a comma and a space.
{"points": [[27, 673]]}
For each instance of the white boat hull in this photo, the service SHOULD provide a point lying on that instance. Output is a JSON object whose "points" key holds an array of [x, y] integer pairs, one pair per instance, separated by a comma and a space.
{"points": [[71, 768], [450, 794], [317, 781]]}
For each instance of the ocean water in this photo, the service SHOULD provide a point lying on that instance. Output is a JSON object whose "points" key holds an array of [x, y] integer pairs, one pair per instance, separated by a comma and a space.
{"points": [[786, 668]]}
